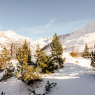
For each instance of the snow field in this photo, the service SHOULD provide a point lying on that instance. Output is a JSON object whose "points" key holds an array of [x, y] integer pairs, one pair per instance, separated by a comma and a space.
{"points": [[73, 79]]}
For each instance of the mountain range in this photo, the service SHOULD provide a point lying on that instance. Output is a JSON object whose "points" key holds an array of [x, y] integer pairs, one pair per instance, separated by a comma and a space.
{"points": [[74, 41], [9, 37]]}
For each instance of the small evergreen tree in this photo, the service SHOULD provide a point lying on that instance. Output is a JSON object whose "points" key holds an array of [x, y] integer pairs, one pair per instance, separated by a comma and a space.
{"points": [[44, 62], [86, 51], [2, 63], [93, 57], [5, 61], [2, 93], [25, 71], [23, 52], [28, 51], [57, 51]]}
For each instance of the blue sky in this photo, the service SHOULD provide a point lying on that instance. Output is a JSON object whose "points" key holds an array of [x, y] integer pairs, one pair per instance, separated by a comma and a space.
{"points": [[42, 18]]}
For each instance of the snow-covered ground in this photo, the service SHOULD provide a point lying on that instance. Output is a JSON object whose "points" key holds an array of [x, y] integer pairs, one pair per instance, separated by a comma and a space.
{"points": [[73, 79], [83, 62]]}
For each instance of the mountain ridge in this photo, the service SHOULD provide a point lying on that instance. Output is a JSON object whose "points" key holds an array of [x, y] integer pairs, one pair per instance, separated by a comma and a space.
{"points": [[9, 37], [72, 41], [76, 41]]}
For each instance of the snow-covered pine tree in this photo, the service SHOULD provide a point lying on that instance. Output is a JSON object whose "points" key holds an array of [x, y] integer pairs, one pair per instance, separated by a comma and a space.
{"points": [[57, 51], [44, 62], [25, 71], [86, 51]]}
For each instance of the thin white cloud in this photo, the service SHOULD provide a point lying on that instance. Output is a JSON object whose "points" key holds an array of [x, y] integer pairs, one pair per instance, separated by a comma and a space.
{"points": [[51, 22], [70, 26], [38, 29], [50, 28]]}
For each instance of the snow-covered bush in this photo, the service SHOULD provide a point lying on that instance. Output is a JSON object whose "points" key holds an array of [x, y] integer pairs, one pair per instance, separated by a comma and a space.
{"points": [[48, 88]]}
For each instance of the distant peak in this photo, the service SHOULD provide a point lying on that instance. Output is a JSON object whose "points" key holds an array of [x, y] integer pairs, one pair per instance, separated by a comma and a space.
{"points": [[10, 31]]}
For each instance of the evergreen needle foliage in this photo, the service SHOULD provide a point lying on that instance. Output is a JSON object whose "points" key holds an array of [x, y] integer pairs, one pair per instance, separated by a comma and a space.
{"points": [[2, 63], [93, 59], [49, 86], [25, 71], [5, 63], [24, 54], [86, 51], [44, 62], [57, 51]]}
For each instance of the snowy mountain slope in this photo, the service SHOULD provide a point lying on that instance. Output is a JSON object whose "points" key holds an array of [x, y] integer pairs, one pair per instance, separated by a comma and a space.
{"points": [[43, 41], [4, 38], [78, 38], [15, 37], [9, 37]]}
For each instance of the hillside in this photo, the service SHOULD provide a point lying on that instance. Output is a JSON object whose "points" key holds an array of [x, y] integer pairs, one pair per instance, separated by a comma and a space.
{"points": [[9, 37], [77, 40], [43, 41]]}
